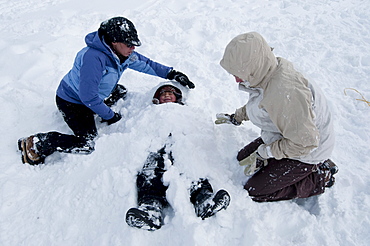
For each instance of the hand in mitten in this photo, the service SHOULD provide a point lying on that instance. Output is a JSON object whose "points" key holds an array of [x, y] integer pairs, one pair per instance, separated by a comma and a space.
{"points": [[226, 119], [181, 78], [253, 163], [116, 117], [119, 92]]}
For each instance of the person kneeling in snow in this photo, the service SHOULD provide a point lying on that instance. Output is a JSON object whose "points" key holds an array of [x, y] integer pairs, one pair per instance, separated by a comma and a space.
{"points": [[290, 159], [151, 196], [91, 88]]}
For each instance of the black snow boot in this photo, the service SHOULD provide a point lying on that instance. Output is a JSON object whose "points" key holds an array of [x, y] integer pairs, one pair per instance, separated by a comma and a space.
{"points": [[329, 168], [147, 216], [118, 92], [205, 203]]}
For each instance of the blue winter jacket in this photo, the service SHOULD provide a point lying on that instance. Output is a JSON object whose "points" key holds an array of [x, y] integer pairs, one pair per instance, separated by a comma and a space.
{"points": [[97, 70]]}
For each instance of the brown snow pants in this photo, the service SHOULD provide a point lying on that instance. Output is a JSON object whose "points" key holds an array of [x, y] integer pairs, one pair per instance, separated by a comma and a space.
{"points": [[285, 179]]}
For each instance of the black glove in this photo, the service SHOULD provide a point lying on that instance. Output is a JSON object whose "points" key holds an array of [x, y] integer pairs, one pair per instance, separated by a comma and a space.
{"points": [[119, 92], [181, 78], [116, 117]]}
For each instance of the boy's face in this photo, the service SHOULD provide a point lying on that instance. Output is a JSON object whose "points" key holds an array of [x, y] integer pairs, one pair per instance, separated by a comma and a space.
{"points": [[167, 97]]}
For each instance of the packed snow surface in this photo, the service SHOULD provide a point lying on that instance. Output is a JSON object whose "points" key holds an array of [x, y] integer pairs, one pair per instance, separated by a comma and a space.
{"points": [[83, 199]]}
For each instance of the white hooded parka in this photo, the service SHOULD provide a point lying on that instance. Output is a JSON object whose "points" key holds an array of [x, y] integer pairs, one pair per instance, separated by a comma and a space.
{"points": [[292, 113]]}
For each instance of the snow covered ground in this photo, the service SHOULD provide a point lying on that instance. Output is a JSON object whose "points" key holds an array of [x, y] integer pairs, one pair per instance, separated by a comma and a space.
{"points": [[82, 200]]}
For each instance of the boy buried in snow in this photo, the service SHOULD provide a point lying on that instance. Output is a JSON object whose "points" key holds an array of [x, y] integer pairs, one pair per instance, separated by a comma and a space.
{"points": [[151, 190]]}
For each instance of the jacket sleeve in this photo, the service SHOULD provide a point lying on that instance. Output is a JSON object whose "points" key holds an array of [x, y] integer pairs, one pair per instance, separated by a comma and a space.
{"points": [[91, 73], [143, 64], [241, 114], [293, 115]]}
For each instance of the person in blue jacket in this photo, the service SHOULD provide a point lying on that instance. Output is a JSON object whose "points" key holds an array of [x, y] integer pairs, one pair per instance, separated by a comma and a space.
{"points": [[91, 87]]}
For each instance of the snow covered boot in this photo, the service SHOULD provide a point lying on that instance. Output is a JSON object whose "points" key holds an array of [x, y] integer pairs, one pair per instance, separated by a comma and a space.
{"points": [[329, 168], [29, 151], [205, 203], [147, 216], [151, 194], [119, 92]]}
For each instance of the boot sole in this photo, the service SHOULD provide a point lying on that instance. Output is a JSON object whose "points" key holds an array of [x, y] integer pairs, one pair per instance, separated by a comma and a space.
{"points": [[22, 147], [221, 201], [25, 158], [333, 169], [139, 219]]}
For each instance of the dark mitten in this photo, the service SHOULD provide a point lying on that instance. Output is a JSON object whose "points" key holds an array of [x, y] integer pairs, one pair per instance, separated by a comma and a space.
{"points": [[181, 78], [119, 92], [113, 120]]}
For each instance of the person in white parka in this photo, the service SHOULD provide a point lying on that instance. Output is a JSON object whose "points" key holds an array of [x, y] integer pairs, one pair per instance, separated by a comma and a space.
{"points": [[291, 158]]}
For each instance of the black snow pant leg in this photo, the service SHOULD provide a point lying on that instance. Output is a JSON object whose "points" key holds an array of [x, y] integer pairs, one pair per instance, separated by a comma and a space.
{"points": [[285, 179], [78, 117], [149, 180], [200, 190], [81, 121], [54, 141]]}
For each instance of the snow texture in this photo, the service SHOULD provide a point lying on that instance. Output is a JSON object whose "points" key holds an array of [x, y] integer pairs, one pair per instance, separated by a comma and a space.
{"points": [[83, 199]]}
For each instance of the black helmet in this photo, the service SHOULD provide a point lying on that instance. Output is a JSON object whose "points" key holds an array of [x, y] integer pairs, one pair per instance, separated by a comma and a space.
{"points": [[119, 29]]}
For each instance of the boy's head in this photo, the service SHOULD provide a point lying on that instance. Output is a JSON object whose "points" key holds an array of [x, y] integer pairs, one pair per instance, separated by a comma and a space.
{"points": [[167, 94]]}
